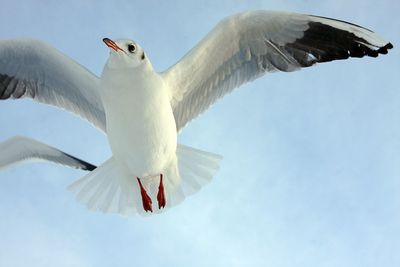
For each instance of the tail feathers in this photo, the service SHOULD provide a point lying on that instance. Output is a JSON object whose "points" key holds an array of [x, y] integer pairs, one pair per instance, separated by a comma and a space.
{"points": [[111, 189], [196, 167], [107, 189]]}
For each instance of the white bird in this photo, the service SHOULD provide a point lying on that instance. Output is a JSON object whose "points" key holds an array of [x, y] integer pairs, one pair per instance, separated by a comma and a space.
{"points": [[141, 110]]}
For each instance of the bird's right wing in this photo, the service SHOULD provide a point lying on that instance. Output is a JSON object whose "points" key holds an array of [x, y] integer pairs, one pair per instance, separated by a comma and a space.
{"points": [[33, 69], [21, 149]]}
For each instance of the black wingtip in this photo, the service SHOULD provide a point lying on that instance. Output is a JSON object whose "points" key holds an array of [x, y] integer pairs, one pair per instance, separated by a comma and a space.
{"points": [[86, 166], [89, 167], [327, 43], [384, 49]]}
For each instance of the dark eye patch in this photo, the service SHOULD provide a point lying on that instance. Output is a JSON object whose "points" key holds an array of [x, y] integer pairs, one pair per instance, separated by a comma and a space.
{"points": [[131, 48]]}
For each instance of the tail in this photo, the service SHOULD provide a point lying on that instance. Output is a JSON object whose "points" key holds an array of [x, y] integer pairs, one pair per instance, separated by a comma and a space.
{"points": [[111, 188], [196, 168]]}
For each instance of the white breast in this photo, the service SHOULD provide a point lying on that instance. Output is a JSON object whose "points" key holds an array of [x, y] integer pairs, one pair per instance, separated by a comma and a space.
{"points": [[140, 124]]}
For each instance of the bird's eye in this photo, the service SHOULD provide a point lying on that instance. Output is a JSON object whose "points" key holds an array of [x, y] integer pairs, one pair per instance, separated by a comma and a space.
{"points": [[131, 48]]}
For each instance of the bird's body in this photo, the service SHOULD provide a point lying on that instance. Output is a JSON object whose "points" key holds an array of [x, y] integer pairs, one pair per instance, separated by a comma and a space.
{"points": [[141, 127], [141, 111]]}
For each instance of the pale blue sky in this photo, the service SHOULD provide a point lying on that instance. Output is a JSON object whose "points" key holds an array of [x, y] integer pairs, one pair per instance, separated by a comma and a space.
{"points": [[311, 169]]}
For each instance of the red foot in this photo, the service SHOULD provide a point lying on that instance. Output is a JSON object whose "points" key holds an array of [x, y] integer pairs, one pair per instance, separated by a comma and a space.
{"points": [[161, 196], [146, 200]]}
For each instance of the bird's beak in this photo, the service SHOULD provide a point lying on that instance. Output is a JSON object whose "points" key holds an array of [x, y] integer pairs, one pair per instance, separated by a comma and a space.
{"points": [[110, 43]]}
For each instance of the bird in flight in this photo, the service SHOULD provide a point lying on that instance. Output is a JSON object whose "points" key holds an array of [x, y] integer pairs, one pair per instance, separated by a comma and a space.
{"points": [[141, 111]]}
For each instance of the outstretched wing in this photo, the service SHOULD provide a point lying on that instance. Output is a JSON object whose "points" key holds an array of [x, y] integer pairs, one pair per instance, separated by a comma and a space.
{"points": [[20, 149], [30, 68], [243, 47]]}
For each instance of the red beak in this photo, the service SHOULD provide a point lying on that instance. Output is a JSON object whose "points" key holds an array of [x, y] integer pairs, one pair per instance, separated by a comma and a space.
{"points": [[110, 43]]}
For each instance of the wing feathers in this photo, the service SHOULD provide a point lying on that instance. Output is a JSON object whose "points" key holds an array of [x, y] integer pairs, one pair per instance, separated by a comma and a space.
{"points": [[243, 47], [20, 149], [33, 69]]}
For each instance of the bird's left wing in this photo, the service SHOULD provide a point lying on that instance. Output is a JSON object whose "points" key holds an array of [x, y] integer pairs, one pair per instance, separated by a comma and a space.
{"points": [[30, 68], [243, 47], [21, 149]]}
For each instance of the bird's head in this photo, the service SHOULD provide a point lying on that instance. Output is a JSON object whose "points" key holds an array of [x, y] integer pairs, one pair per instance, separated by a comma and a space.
{"points": [[124, 53]]}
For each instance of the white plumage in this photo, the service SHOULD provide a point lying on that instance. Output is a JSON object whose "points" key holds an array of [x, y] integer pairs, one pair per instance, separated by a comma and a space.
{"points": [[141, 111]]}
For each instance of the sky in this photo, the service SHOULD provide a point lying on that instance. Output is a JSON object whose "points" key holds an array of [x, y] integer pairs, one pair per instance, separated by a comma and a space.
{"points": [[311, 169]]}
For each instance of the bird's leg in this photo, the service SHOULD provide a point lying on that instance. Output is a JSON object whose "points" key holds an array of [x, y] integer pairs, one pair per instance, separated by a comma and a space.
{"points": [[161, 195], [146, 200]]}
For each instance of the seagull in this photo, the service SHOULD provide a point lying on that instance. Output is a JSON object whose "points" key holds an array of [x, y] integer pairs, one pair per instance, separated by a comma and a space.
{"points": [[142, 111]]}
